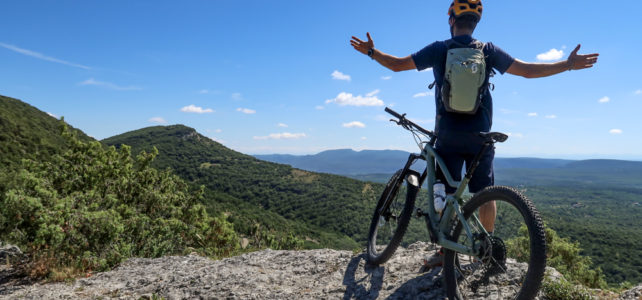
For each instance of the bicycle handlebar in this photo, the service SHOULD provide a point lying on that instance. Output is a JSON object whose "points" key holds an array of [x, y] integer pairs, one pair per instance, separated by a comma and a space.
{"points": [[405, 122]]}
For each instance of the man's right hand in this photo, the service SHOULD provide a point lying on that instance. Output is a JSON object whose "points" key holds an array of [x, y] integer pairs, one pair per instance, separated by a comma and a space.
{"points": [[362, 46]]}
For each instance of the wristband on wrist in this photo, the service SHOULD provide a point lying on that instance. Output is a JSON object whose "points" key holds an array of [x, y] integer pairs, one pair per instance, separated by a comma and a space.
{"points": [[371, 53]]}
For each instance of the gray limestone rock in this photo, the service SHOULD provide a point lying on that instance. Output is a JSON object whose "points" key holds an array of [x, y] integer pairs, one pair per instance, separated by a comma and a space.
{"points": [[267, 274]]}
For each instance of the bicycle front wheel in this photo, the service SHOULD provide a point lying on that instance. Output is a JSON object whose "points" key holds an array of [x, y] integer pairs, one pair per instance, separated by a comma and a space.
{"points": [[391, 217], [511, 260]]}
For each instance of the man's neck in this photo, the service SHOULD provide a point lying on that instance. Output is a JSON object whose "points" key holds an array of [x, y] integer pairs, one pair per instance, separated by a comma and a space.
{"points": [[458, 32]]}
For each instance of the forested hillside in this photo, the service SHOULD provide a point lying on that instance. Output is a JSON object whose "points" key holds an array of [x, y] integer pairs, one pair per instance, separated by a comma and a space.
{"points": [[26, 132], [334, 209]]}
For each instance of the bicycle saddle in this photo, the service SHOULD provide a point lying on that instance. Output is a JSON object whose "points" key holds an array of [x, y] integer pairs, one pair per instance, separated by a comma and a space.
{"points": [[494, 137]]}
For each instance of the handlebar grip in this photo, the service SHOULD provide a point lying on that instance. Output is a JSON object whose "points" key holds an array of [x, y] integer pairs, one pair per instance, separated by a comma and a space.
{"points": [[394, 113]]}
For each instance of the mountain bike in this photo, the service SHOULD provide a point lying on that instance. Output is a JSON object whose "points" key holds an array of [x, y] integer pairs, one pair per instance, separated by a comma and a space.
{"points": [[508, 263]]}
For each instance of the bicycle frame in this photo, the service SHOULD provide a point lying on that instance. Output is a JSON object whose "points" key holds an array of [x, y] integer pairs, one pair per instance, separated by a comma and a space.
{"points": [[440, 227]]}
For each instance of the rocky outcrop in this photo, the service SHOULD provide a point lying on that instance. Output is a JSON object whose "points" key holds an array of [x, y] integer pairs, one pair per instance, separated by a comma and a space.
{"points": [[267, 274]]}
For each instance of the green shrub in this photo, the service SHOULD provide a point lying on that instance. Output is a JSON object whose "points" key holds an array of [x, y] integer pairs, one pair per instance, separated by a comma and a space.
{"points": [[563, 255], [90, 208], [564, 290]]}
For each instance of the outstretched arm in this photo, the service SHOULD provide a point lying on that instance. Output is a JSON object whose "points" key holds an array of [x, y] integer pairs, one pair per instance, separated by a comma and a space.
{"points": [[393, 63], [535, 70]]}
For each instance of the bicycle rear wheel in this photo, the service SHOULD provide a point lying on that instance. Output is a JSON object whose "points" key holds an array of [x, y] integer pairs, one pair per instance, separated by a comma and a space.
{"points": [[511, 261], [391, 217]]}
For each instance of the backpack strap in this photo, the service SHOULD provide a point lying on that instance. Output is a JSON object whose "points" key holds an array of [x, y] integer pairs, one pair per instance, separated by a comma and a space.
{"points": [[476, 44]]}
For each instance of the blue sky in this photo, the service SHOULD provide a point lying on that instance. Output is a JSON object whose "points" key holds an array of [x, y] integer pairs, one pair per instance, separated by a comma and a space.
{"points": [[281, 77]]}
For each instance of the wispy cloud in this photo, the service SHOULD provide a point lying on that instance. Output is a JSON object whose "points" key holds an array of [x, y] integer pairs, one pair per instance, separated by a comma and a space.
{"points": [[615, 131], [109, 85], [508, 111], [196, 109], [386, 77], [281, 136], [638, 92], [237, 96], [551, 117], [42, 56], [371, 94], [206, 91], [515, 135], [604, 100], [319, 107], [246, 110], [552, 54], [347, 99], [157, 120], [354, 124], [363, 138], [52, 115], [533, 114], [336, 75], [282, 125], [424, 94]]}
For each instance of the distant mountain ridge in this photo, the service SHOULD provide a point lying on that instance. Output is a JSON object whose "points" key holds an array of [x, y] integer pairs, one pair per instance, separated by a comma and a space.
{"points": [[344, 161], [351, 162]]}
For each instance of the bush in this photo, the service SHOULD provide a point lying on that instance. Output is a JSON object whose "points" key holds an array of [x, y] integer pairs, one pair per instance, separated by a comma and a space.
{"points": [[563, 255], [91, 208], [564, 290]]}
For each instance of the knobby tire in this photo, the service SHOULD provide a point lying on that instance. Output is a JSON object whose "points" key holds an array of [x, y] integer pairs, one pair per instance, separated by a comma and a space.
{"points": [[399, 208], [463, 283]]}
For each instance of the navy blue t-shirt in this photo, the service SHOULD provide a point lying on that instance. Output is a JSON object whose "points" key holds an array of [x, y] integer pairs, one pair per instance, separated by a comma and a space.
{"points": [[434, 56]]}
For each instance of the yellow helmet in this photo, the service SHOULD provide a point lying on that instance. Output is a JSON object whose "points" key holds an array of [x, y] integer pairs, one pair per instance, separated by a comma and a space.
{"points": [[466, 7]]}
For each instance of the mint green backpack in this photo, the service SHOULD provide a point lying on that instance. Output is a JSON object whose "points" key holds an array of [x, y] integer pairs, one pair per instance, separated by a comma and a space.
{"points": [[464, 77]]}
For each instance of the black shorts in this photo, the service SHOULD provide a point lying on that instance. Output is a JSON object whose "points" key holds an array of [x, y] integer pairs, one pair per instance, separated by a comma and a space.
{"points": [[457, 148]]}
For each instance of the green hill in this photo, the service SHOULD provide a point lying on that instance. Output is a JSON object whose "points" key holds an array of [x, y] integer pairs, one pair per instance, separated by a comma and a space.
{"points": [[27, 132], [327, 210]]}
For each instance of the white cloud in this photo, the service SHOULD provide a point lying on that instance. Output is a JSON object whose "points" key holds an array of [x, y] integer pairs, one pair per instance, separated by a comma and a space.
{"points": [[336, 75], [196, 109], [52, 115], [552, 54], [515, 135], [319, 107], [218, 130], [344, 99], [282, 125], [424, 94], [237, 96], [551, 117], [204, 91], [281, 136], [246, 110], [386, 77], [508, 111], [42, 56], [158, 120], [109, 85], [533, 114], [615, 131], [354, 124], [604, 100], [638, 92], [371, 94], [363, 138]]}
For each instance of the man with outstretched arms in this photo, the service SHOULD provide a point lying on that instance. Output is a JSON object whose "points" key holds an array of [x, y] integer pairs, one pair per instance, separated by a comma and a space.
{"points": [[458, 140]]}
